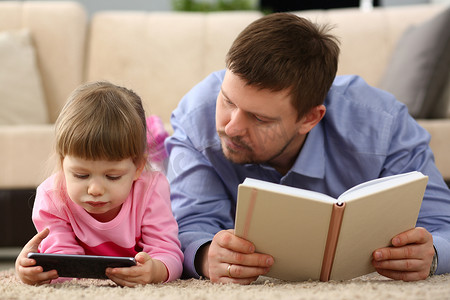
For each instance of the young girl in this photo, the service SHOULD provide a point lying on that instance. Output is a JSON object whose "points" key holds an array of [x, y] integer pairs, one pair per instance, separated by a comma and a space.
{"points": [[103, 201]]}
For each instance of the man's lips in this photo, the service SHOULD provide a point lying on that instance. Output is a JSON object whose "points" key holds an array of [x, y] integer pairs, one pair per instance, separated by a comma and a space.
{"points": [[233, 146]]}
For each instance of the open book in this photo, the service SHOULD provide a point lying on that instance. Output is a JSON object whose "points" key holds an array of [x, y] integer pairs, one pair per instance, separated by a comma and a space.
{"points": [[314, 236]]}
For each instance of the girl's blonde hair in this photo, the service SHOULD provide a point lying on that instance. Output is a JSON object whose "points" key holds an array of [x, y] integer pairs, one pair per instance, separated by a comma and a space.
{"points": [[102, 121]]}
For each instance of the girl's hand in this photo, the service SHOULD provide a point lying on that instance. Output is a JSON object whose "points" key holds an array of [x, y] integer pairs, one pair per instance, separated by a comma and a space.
{"points": [[147, 270], [25, 267]]}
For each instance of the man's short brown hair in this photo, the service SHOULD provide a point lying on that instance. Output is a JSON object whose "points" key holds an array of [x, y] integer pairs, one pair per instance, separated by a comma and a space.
{"points": [[283, 51]]}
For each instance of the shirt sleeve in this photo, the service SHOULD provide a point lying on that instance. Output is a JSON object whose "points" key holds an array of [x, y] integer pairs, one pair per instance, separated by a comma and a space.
{"points": [[159, 228], [50, 211], [409, 150], [200, 202]]}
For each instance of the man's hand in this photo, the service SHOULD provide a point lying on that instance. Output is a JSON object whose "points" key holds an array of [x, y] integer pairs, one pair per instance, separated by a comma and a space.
{"points": [[25, 267], [147, 270], [231, 259], [410, 257]]}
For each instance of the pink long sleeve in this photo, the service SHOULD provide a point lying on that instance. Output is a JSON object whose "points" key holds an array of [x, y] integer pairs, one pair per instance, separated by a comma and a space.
{"points": [[156, 135]]}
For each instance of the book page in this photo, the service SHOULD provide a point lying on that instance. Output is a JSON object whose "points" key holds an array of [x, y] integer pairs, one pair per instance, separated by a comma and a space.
{"points": [[370, 222], [372, 186], [288, 190], [291, 228]]}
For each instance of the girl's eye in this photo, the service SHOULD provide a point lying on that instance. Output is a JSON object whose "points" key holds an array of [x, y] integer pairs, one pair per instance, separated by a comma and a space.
{"points": [[81, 176], [113, 177]]}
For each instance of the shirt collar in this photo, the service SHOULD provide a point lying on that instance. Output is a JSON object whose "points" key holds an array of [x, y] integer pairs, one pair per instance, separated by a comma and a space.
{"points": [[311, 160]]}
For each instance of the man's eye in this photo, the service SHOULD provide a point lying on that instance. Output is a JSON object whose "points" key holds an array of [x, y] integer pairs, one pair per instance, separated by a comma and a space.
{"points": [[110, 177], [228, 102], [259, 119], [81, 176]]}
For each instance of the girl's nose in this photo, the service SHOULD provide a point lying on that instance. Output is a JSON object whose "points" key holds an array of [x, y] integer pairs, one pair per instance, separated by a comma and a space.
{"points": [[95, 188]]}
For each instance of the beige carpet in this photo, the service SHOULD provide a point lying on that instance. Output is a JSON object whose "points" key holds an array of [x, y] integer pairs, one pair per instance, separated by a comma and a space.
{"points": [[371, 286]]}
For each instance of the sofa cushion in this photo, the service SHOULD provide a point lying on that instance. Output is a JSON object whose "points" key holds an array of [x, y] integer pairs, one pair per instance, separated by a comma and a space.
{"points": [[420, 66], [21, 96]]}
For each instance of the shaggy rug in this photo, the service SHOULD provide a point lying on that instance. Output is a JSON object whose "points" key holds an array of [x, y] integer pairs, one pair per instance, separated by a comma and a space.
{"points": [[371, 286]]}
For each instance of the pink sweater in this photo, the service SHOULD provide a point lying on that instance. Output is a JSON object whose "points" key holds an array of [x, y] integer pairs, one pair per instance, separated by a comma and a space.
{"points": [[145, 223]]}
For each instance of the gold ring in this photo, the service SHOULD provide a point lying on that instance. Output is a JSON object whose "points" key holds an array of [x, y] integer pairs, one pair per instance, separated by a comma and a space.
{"points": [[229, 271]]}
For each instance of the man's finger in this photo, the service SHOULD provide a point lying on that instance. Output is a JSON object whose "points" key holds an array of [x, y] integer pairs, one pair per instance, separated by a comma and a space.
{"points": [[418, 235], [251, 260], [392, 253], [227, 239], [404, 265], [244, 272]]}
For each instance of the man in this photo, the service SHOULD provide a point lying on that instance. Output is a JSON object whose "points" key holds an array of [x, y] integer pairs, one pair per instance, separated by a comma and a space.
{"points": [[279, 113]]}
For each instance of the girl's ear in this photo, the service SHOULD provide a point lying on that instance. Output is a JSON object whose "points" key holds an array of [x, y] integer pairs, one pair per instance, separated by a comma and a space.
{"points": [[311, 119], [140, 169]]}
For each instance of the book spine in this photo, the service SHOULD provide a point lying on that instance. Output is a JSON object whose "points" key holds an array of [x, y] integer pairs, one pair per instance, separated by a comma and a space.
{"points": [[334, 229], [249, 215]]}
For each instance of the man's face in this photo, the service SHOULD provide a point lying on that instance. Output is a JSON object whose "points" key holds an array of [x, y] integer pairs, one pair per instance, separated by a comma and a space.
{"points": [[256, 125]]}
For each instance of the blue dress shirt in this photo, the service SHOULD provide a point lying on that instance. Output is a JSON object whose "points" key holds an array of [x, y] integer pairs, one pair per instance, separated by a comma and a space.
{"points": [[365, 134]]}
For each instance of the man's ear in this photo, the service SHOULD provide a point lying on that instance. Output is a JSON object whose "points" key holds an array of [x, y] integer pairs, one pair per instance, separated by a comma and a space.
{"points": [[311, 119]]}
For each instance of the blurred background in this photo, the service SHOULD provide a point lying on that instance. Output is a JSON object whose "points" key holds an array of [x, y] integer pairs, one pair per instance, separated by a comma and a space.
{"points": [[268, 6]]}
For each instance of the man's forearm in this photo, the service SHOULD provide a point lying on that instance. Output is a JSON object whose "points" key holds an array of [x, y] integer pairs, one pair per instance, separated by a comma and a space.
{"points": [[201, 260]]}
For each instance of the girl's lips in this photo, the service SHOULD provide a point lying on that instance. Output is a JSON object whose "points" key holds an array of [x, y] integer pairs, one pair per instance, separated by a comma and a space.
{"points": [[96, 204]]}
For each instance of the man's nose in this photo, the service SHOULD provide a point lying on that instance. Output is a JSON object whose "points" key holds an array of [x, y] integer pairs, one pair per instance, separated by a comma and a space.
{"points": [[238, 124]]}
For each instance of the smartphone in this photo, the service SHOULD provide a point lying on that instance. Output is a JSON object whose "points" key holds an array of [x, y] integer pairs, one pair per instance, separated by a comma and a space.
{"points": [[80, 266]]}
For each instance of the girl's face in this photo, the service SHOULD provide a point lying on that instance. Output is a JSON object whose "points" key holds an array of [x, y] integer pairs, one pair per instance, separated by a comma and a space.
{"points": [[100, 187]]}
